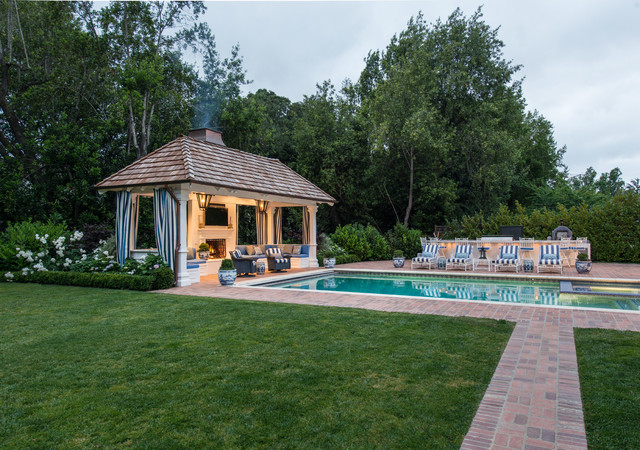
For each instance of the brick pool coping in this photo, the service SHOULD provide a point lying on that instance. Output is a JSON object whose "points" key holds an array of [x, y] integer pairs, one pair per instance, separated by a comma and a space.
{"points": [[533, 399]]}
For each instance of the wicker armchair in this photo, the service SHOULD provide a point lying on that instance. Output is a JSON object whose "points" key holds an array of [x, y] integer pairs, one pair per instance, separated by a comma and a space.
{"points": [[275, 260], [243, 265]]}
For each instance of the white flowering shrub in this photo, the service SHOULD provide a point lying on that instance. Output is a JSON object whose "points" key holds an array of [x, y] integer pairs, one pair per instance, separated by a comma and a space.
{"points": [[43, 247]]}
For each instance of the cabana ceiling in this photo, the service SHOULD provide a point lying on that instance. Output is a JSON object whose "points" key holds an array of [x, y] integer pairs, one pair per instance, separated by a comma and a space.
{"points": [[216, 169]]}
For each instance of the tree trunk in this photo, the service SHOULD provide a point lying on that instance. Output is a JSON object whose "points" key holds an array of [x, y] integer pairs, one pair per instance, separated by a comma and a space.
{"points": [[410, 202]]}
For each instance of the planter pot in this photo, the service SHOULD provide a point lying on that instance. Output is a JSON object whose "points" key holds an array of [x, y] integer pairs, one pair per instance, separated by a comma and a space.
{"points": [[203, 254], [329, 263], [583, 266], [398, 262], [227, 277]]}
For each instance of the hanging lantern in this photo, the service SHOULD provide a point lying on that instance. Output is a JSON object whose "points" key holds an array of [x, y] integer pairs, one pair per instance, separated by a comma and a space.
{"points": [[203, 200], [262, 205]]}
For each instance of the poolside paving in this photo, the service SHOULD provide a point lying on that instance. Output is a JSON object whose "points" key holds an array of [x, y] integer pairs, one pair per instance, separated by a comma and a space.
{"points": [[533, 400]]}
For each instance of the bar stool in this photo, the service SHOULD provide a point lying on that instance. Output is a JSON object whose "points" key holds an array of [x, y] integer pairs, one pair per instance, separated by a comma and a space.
{"points": [[566, 250]]}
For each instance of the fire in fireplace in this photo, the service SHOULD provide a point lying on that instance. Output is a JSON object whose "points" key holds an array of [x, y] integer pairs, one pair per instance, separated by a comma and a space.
{"points": [[217, 248]]}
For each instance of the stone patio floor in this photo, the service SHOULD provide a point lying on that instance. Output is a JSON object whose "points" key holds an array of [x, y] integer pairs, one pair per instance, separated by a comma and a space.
{"points": [[533, 400]]}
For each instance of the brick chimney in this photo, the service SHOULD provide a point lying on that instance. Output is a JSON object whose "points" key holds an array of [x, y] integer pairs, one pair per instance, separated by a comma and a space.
{"points": [[207, 135]]}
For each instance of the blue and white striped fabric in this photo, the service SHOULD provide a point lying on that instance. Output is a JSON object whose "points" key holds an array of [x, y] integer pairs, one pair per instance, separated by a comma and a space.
{"points": [[464, 294], [462, 254], [509, 295], [430, 251], [274, 252], [509, 254], [549, 254], [549, 297], [166, 224], [123, 225]]}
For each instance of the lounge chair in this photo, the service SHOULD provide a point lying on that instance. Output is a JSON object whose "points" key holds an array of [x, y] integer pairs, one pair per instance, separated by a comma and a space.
{"points": [[428, 256], [461, 258], [243, 264], [550, 258], [509, 258], [275, 260]]}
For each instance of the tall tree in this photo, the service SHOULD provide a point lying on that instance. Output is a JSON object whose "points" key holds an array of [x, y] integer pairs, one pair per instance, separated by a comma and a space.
{"points": [[144, 39], [448, 116]]}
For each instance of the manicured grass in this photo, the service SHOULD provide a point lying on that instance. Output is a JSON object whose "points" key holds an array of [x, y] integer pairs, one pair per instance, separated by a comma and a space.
{"points": [[89, 367], [609, 367]]}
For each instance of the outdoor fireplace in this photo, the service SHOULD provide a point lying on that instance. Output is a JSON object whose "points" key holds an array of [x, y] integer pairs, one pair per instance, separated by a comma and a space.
{"points": [[217, 248]]}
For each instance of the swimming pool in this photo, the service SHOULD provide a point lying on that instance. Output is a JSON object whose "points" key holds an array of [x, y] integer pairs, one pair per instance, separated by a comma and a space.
{"points": [[479, 289]]}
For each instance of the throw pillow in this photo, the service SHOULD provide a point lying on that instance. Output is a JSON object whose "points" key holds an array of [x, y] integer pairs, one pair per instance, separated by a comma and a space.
{"points": [[288, 248], [508, 256], [257, 250], [549, 256], [250, 250], [428, 254], [461, 255], [297, 249]]}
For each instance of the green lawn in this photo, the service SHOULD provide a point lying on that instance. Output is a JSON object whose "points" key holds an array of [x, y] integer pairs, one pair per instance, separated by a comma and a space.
{"points": [[89, 367], [609, 368]]}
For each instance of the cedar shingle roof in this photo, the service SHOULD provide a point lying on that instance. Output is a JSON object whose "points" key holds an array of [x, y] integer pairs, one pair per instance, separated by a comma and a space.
{"points": [[191, 160]]}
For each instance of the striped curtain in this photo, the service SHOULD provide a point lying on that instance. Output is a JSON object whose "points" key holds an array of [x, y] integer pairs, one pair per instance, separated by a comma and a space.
{"points": [[277, 226], [134, 221], [261, 225], [123, 225], [165, 221], [306, 219]]}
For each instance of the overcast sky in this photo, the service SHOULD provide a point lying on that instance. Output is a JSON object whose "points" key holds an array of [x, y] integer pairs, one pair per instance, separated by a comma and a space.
{"points": [[581, 59]]}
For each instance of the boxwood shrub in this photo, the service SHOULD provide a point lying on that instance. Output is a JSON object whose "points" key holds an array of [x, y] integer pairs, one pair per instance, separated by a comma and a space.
{"points": [[160, 279]]}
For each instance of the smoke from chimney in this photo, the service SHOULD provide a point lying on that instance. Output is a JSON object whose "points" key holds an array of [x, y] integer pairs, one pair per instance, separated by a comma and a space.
{"points": [[207, 135]]}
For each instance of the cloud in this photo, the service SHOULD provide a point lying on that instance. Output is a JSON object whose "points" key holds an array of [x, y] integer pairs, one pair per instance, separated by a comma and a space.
{"points": [[580, 58]]}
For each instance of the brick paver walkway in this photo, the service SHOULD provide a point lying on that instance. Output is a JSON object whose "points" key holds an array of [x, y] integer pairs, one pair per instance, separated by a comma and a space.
{"points": [[533, 400]]}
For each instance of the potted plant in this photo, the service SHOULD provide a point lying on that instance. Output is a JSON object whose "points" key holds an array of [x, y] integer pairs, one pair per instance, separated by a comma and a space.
{"points": [[398, 259], [203, 251], [329, 259], [227, 273], [583, 263]]}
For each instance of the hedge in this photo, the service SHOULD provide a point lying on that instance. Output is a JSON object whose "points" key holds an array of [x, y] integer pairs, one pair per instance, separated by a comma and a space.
{"points": [[613, 228], [161, 279]]}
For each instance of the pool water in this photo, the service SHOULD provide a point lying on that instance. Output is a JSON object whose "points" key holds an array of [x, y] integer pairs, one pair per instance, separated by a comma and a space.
{"points": [[491, 290]]}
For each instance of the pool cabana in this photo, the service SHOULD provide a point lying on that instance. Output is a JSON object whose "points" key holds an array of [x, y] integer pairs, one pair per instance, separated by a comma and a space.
{"points": [[193, 180]]}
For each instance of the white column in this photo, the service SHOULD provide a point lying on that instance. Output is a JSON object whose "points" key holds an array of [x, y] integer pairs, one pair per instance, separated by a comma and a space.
{"points": [[313, 258], [270, 230], [181, 263]]}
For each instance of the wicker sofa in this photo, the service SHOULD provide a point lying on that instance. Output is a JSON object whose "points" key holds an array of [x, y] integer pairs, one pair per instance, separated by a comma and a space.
{"points": [[297, 259]]}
